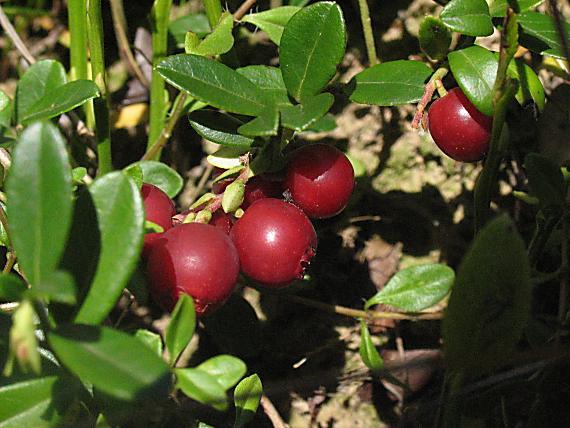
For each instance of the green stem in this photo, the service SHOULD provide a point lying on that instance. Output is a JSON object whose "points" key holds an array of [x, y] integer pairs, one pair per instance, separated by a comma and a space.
{"points": [[100, 105], [213, 11], [158, 99], [368, 33]]}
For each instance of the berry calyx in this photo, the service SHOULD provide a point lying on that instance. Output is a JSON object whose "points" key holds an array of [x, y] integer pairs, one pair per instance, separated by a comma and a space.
{"points": [[320, 180], [460, 130], [159, 209], [193, 258], [275, 241]]}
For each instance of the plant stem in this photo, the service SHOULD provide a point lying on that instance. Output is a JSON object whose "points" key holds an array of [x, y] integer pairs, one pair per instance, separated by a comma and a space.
{"points": [[158, 99], [272, 413], [368, 33], [213, 11], [429, 90], [13, 35], [100, 105], [243, 9]]}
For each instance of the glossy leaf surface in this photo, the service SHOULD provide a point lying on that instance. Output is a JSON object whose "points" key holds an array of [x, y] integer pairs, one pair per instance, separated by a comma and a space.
{"points": [[226, 369], [469, 17], [272, 21], [247, 396], [219, 127], [202, 387], [181, 327]]}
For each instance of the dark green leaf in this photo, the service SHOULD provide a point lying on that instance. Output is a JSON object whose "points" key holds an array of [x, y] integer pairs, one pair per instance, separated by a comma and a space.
{"points": [[152, 340], [272, 21], [545, 180], [5, 110], [469, 17], [226, 369], [37, 81], [162, 176], [11, 287], [324, 124], [368, 351], [391, 83], [269, 80], [415, 288], [58, 286], [116, 363], [475, 69], [219, 41], [61, 99], [40, 193], [181, 327], [543, 28], [121, 221], [490, 302], [301, 116], [247, 396], [202, 387], [220, 128], [434, 38], [197, 23], [312, 45], [265, 125], [530, 86], [213, 83], [498, 8]]}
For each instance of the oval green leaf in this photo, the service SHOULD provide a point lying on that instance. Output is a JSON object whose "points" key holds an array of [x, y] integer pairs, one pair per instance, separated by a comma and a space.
{"points": [[368, 352], [38, 80], [11, 287], [272, 21], [5, 110], [265, 125], [150, 339], [181, 327], [469, 17], [220, 128], [475, 69], [202, 387], [434, 38], [121, 221], [219, 41], [226, 369], [162, 176], [490, 302], [116, 363], [40, 200], [269, 80], [498, 8], [196, 23], [312, 45], [543, 28], [391, 83], [415, 288], [530, 86], [212, 82], [61, 99], [247, 396], [303, 115]]}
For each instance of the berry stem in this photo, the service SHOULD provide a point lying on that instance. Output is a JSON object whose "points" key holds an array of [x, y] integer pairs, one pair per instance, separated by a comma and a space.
{"points": [[433, 84], [368, 33]]}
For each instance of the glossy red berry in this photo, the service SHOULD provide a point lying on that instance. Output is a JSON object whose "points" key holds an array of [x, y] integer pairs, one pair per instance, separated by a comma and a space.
{"points": [[193, 258], [159, 209], [260, 187], [275, 241], [460, 130], [223, 221], [320, 179]]}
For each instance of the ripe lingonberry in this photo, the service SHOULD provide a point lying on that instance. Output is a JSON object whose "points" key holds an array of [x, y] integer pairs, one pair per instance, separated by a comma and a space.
{"points": [[223, 221], [159, 209], [259, 187], [320, 179], [275, 241], [460, 130], [196, 259]]}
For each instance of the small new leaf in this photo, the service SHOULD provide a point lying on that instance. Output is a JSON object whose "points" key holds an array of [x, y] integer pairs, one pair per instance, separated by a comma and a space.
{"points": [[181, 327], [233, 196], [247, 396], [368, 351]]}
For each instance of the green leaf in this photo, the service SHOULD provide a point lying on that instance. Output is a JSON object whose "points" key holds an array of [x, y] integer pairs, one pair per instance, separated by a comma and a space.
{"points": [[391, 83], [226, 369], [36, 82], [5, 110], [269, 80], [220, 128], [543, 28], [58, 286], [219, 41], [312, 45], [181, 327], [247, 396], [162, 176], [150, 227], [233, 196], [61, 99], [152, 340], [272, 21], [303, 115], [40, 204], [490, 302], [11, 287], [265, 125], [196, 23], [368, 351], [78, 174], [121, 221], [434, 38], [545, 180], [475, 69], [415, 288], [116, 363], [498, 8], [212, 82], [324, 124], [202, 387], [226, 157], [135, 173], [469, 17], [530, 86]]}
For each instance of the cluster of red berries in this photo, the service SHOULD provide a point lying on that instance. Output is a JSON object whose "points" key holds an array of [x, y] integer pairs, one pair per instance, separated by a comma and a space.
{"points": [[271, 243]]}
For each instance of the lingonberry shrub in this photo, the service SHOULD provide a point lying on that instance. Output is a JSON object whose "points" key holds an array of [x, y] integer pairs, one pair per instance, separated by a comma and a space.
{"points": [[460, 130], [159, 209], [320, 180], [196, 259], [275, 241]]}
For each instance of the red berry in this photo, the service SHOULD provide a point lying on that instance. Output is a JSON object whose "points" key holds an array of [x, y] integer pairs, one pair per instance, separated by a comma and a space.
{"points": [[159, 209], [275, 241], [260, 187], [460, 130], [222, 220], [320, 179], [196, 259]]}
